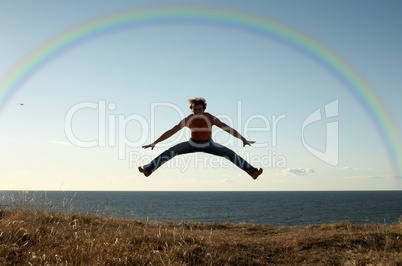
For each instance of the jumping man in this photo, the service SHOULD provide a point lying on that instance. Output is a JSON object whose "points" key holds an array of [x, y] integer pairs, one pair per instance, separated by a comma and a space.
{"points": [[200, 124]]}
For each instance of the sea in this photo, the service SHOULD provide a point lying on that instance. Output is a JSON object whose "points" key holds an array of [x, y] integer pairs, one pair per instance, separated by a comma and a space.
{"points": [[271, 208]]}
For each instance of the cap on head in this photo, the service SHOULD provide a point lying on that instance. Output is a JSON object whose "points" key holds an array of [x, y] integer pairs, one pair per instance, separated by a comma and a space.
{"points": [[198, 100]]}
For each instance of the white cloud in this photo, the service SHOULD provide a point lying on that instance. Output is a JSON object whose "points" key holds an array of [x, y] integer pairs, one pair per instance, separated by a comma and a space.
{"points": [[226, 180], [348, 168], [373, 177], [298, 171]]}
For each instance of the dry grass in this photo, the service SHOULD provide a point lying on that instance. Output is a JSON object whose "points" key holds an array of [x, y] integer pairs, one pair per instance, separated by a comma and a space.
{"points": [[40, 238]]}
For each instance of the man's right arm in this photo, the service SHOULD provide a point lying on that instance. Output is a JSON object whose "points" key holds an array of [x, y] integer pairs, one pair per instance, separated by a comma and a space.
{"points": [[167, 134]]}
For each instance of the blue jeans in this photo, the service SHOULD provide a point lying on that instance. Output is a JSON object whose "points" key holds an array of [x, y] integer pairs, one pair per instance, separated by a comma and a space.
{"points": [[207, 146]]}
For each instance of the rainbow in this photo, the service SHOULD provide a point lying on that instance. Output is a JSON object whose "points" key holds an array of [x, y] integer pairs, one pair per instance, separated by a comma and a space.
{"points": [[338, 67]]}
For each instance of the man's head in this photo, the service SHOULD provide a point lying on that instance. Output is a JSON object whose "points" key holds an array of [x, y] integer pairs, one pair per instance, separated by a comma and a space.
{"points": [[197, 105]]}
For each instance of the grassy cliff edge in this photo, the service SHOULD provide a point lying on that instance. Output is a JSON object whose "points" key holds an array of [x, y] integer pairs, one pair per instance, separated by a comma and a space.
{"points": [[39, 238]]}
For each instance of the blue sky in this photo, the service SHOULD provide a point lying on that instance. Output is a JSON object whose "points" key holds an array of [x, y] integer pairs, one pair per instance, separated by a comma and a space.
{"points": [[147, 73]]}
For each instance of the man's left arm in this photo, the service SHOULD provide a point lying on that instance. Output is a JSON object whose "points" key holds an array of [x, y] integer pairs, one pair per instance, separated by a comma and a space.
{"points": [[231, 131]]}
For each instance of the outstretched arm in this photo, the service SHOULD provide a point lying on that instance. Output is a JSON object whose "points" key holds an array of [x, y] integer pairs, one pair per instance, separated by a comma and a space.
{"points": [[232, 131], [166, 135]]}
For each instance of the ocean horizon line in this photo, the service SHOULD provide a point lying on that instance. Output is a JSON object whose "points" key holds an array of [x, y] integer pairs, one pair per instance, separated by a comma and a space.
{"points": [[78, 190]]}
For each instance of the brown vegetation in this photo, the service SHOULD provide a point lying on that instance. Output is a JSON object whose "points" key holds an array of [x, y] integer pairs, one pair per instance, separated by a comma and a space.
{"points": [[39, 238]]}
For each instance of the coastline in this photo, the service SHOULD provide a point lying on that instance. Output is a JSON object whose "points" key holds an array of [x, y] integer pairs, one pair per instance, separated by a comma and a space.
{"points": [[37, 237], [271, 208]]}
